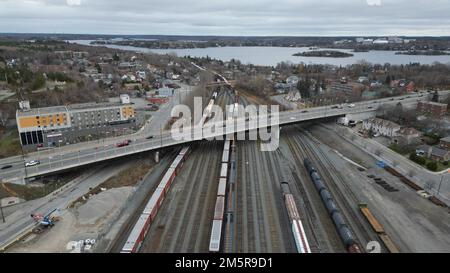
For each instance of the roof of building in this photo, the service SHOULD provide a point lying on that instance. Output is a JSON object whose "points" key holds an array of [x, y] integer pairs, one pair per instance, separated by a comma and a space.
{"points": [[383, 122], [42, 111], [408, 131], [65, 108], [446, 139], [423, 147], [439, 152], [435, 151]]}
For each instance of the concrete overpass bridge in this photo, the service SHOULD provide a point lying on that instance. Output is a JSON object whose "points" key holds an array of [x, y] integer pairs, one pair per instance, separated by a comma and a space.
{"points": [[72, 156]]}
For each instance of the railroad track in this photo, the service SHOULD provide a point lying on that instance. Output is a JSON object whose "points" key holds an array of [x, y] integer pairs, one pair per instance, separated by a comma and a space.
{"points": [[332, 177], [201, 242], [188, 227], [259, 210], [319, 224], [170, 232], [260, 221], [277, 175]]}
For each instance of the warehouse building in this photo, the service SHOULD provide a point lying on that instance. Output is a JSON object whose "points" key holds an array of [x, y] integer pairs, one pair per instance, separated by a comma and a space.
{"points": [[59, 125]]}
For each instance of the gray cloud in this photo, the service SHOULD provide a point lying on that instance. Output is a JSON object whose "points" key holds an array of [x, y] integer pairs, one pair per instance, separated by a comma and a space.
{"points": [[231, 17]]}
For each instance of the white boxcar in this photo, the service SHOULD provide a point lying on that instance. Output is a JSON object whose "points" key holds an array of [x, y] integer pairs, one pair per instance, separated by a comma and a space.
{"points": [[300, 237], [167, 178], [225, 156], [219, 208], [226, 146], [222, 187], [176, 161], [216, 232], [184, 151], [136, 235], [224, 170], [153, 202]]}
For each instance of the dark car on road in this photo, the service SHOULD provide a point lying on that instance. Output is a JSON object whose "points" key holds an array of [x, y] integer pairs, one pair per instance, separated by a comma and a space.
{"points": [[6, 167]]}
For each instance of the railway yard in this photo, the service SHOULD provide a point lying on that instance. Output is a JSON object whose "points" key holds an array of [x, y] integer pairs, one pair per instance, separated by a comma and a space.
{"points": [[316, 193]]}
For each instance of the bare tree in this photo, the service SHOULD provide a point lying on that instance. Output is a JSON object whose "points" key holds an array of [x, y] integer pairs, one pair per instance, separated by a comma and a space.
{"points": [[4, 115]]}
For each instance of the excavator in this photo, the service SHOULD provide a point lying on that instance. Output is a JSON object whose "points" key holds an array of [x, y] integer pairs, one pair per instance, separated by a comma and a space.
{"points": [[44, 221]]}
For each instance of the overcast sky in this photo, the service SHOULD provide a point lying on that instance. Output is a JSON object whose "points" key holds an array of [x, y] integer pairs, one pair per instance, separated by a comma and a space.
{"points": [[228, 17]]}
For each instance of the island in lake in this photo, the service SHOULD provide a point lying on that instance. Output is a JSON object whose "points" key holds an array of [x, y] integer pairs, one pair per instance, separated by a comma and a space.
{"points": [[324, 53], [423, 52]]}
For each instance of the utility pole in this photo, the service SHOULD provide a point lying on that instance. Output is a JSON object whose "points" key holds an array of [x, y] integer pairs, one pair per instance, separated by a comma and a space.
{"points": [[440, 183], [1, 210], [160, 128], [24, 162]]}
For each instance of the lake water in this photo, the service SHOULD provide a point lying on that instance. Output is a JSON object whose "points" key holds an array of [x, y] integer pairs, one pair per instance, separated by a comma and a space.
{"points": [[270, 56]]}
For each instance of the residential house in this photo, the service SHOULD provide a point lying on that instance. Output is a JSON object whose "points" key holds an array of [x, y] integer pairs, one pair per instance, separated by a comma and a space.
{"points": [[293, 95], [410, 87], [445, 143], [80, 54], [363, 79], [292, 80], [407, 136], [434, 153], [381, 126], [126, 65]]}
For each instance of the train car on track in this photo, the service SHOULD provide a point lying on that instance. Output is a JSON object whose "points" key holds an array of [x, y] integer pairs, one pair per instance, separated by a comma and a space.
{"points": [[222, 187], [226, 146], [301, 241], [342, 228], [136, 236], [220, 208], [225, 156], [150, 211], [216, 233], [224, 170]]}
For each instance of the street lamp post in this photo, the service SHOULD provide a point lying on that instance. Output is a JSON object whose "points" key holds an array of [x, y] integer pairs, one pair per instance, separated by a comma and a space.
{"points": [[160, 129], [24, 162], [1, 210], [440, 183]]}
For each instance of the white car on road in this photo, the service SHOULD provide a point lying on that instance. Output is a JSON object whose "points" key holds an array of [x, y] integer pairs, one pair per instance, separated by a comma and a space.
{"points": [[32, 163]]}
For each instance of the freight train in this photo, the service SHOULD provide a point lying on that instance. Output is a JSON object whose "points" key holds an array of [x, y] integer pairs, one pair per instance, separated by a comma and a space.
{"points": [[217, 223], [344, 231], [301, 241], [139, 231]]}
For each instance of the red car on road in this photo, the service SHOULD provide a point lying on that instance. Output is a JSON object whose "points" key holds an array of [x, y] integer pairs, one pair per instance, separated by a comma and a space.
{"points": [[123, 143]]}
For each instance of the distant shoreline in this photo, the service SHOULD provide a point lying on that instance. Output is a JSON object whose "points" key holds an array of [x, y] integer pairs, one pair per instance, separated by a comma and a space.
{"points": [[423, 53]]}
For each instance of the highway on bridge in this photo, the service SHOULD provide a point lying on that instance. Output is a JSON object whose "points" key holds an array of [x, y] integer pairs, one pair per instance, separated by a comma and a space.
{"points": [[70, 156]]}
